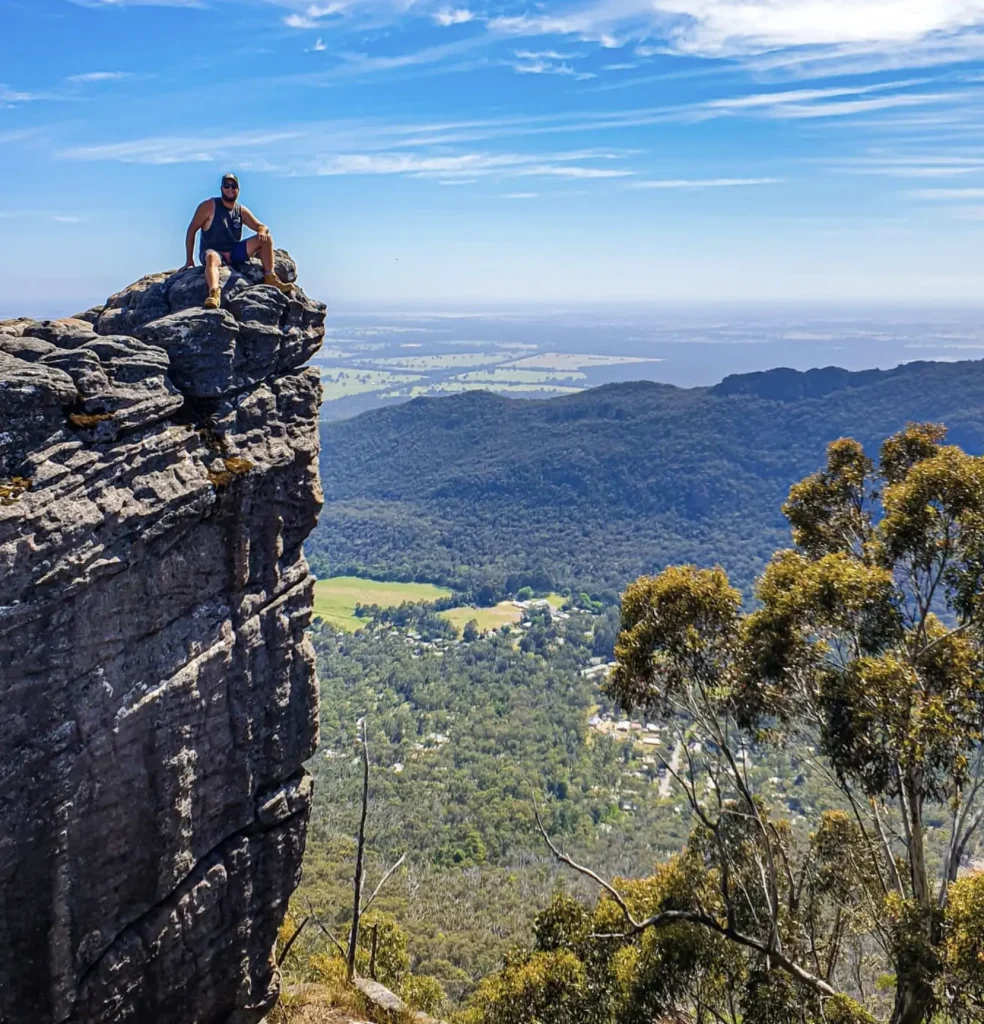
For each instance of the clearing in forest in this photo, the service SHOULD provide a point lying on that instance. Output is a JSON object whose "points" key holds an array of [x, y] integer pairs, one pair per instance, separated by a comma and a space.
{"points": [[503, 614], [335, 598]]}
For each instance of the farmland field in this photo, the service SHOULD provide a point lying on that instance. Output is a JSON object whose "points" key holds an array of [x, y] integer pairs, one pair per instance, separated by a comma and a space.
{"points": [[339, 383], [335, 598], [503, 614]]}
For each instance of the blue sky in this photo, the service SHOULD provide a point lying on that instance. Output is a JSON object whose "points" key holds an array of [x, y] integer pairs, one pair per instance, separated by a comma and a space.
{"points": [[484, 151]]}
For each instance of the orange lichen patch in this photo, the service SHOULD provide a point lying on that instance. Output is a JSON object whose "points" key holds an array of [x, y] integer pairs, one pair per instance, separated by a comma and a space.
{"points": [[85, 420], [12, 489], [234, 467], [237, 465]]}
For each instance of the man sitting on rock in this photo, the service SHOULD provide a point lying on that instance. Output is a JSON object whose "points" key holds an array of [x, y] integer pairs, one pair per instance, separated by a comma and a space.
{"points": [[220, 221]]}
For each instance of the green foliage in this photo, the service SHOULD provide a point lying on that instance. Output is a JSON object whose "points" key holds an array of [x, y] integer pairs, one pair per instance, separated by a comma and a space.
{"points": [[423, 992], [544, 988], [964, 949], [592, 490], [826, 742], [868, 640]]}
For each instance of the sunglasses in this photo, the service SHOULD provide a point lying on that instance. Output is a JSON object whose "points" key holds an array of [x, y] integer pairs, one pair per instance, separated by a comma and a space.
{"points": [[229, 184]]}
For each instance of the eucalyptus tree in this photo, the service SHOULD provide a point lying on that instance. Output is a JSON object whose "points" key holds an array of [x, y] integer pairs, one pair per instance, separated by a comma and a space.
{"points": [[865, 652]]}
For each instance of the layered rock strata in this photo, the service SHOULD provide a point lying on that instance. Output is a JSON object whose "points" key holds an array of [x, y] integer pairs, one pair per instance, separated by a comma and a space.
{"points": [[158, 475]]}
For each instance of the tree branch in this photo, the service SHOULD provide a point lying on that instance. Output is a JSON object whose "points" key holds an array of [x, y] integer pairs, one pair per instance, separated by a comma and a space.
{"points": [[290, 942], [671, 917], [382, 882]]}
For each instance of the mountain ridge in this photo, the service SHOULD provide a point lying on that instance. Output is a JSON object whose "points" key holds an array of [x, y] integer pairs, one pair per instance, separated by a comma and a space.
{"points": [[590, 490]]}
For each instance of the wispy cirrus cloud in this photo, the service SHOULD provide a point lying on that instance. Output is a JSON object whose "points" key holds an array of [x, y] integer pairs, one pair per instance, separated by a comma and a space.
{"points": [[702, 183], [170, 149], [306, 140], [58, 218], [930, 165], [100, 76], [947, 193], [471, 166], [9, 95], [109, 4]]}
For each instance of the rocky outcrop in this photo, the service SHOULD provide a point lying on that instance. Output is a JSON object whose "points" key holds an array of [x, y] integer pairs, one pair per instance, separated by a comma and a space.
{"points": [[158, 476]]}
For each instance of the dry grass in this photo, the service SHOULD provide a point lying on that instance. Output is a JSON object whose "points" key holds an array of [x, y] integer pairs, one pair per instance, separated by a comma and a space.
{"points": [[318, 1004]]}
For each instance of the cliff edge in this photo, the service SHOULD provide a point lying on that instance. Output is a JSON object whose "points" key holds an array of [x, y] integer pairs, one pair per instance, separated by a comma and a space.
{"points": [[158, 476]]}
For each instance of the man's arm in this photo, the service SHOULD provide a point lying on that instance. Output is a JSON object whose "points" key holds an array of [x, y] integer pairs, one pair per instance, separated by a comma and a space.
{"points": [[252, 223], [197, 223]]}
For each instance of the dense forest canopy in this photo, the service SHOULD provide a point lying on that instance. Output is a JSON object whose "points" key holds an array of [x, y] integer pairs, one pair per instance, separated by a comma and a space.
{"points": [[591, 490]]}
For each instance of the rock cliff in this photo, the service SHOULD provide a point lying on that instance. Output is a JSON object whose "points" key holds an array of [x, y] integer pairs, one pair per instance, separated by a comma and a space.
{"points": [[158, 475]]}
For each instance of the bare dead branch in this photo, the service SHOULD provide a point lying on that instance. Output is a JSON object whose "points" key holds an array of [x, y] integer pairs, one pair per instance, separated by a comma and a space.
{"points": [[382, 882], [359, 857], [670, 917], [290, 942], [564, 859], [320, 924]]}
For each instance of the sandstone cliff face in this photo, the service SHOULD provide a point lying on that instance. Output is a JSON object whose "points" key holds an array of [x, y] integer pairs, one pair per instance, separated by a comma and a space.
{"points": [[158, 475]]}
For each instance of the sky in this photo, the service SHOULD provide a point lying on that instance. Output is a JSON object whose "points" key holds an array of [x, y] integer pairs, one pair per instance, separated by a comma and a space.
{"points": [[502, 151]]}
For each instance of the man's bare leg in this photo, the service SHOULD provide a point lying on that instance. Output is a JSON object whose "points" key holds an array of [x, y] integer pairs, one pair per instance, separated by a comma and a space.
{"points": [[264, 245], [213, 261]]}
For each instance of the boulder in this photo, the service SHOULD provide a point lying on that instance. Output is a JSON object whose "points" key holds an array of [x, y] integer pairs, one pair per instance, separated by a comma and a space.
{"points": [[123, 384], [33, 398]]}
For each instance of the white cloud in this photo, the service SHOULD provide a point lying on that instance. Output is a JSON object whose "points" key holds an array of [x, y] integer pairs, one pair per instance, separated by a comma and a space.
{"points": [[100, 76], [947, 193], [464, 165], [169, 149], [842, 109], [8, 95], [299, 21], [541, 67], [792, 37], [928, 166], [453, 16], [521, 195], [544, 55], [60, 218], [754, 26], [103, 4], [772, 99], [699, 183], [319, 46]]}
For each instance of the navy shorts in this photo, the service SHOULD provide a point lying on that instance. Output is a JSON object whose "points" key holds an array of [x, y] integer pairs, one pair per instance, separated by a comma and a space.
{"points": [[237, 258]]}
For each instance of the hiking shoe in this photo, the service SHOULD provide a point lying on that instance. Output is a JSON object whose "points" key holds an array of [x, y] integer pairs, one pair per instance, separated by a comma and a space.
{"points": [[213, 300], [287, 289]]}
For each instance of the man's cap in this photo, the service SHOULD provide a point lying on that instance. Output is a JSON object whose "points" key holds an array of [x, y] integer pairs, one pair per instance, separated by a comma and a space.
{"points": [[229, 177]]}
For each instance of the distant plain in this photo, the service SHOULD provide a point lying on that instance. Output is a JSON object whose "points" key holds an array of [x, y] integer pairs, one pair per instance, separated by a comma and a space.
{"points": [[373, 358]]}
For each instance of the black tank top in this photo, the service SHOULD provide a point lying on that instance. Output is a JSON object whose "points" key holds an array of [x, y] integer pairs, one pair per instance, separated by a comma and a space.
{"points": [[225, 230]]}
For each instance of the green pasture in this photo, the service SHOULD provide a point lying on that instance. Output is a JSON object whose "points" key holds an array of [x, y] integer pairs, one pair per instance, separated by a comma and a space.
{"points": [[340, 383], [335, 598]]}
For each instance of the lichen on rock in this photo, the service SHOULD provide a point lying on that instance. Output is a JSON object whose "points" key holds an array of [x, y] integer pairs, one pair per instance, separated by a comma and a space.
{"points": [[158, 476]]}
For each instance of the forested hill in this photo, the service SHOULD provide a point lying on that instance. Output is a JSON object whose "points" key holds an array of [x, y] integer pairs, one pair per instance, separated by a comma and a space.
{"points": [[590, 490]]}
